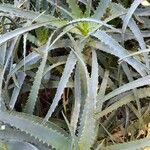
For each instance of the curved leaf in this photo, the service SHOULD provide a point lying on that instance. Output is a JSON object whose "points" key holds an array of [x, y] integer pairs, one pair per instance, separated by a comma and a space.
{"points": [[131, 85], [70, 64], [141, 93], [89, 130], [51, 134], [30, 105], [17, 135], [17, 145], [75, 10], [129, 14], [119, 51], [101, 9], [31, 15], [9, 35]]}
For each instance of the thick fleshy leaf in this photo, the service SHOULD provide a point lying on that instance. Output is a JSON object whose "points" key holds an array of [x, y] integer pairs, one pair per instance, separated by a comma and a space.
{"points": [[131, 85], [51, 134], [70, 64], [119, 51], [129, 14], [87, 136], [31, 15], [101, 9], [141, 93]]}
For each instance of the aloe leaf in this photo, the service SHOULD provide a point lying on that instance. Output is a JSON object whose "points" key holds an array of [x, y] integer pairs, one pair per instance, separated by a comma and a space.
{"points": [[5, 65], [141, 93], [17, 145], [13, 134], [8, 60], [33, 39], [21, 77], [84, 78], [88, 8], [94, 76], [130, 78], [137, 33], [101, 9], [49, 68], [88, 136], [31, 59], [9, 35], [34, 57], [129, 36], [70, 64], [24, 47], [75, 10], [33, 126], [61, 8], [2, 70], [142, 11], [77, 103], [92, 20], [84, 91], [103, 86], [119, 51], [131, 85], [55, 22], [102, 89], [3, 49], [84, 75], [116, 11], [129, 14], [30, 105], [132, 25]]}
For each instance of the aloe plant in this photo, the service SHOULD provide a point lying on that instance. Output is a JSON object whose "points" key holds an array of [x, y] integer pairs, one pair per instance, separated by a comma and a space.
{"points": [[86, 34]]}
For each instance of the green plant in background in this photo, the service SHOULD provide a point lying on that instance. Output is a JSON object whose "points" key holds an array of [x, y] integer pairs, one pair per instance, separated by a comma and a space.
{"points": [[42, 35], [79, 35]]}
